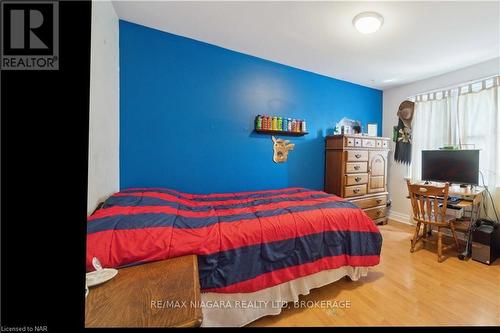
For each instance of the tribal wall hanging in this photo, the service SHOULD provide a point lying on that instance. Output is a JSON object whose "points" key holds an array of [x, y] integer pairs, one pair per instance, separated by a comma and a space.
{"points": [[402, 132]]}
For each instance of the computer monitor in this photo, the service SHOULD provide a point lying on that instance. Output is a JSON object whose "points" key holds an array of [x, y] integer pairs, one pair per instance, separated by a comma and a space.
{"points": [[453, 166]]}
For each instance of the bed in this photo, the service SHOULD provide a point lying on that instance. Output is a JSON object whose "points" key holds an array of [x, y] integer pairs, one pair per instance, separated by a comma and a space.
{"points": [[264, 245]]}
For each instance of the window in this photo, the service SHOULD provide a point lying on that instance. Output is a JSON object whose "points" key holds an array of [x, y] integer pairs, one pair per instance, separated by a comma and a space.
{"points": [[466, 116]]}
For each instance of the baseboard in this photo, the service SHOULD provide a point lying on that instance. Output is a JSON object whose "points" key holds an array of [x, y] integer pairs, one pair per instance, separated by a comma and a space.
{"points": [[400, 217]]}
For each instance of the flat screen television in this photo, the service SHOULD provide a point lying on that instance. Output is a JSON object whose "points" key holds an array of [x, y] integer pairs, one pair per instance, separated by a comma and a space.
{"points": [[453, 166]]}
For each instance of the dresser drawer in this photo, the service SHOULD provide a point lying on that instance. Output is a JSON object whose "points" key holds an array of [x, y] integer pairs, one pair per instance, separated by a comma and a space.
{"points": [[352, 191], [349, 142], [357, 155], [355, 167], [375, 213], [360, 178], [371, 202], [369, 143]]}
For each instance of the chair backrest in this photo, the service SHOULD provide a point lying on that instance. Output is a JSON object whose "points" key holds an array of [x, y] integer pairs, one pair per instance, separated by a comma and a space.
{"points": [[425, 200]]}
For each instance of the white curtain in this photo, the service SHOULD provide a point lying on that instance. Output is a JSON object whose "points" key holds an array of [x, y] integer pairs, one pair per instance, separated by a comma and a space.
{"points": [[432, 127], [479, 125], [467, 116]]}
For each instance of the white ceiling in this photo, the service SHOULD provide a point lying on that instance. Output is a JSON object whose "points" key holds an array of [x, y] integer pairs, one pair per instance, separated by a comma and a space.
{"points": [[418, 39]]}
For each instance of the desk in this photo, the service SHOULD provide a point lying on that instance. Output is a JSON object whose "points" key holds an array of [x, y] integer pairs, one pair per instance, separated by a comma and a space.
{"points": [[466, 192], [130, 298], [471, 197]]}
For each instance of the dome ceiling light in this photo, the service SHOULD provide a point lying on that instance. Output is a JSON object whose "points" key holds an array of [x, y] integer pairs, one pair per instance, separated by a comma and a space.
{"points": [[368, 22]]}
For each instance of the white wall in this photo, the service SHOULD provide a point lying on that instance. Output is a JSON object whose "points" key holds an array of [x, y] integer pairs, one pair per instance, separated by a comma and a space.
{"points": [[103, 176], [400, 209]]}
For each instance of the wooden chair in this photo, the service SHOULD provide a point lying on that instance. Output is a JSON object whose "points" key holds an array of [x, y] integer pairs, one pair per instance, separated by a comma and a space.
{"points": [[425, 200]]}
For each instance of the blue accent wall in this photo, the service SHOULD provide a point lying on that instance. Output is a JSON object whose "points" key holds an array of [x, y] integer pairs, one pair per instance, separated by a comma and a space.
{"points": [[187, 113]]}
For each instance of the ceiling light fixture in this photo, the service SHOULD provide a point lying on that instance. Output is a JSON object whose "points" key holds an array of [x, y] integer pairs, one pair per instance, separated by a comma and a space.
{"points": [[368, 22]]}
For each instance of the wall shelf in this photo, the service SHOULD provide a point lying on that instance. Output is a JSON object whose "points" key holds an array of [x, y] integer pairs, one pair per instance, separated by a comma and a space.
{"points": [[277, 132]]}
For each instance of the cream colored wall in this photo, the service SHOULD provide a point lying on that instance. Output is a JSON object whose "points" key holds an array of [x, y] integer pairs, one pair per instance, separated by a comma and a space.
{"points": [[400, 209], [104, 123]]}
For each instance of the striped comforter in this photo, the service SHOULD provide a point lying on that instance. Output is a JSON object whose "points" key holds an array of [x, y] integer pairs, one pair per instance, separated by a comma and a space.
{"points": [[245, 241]]}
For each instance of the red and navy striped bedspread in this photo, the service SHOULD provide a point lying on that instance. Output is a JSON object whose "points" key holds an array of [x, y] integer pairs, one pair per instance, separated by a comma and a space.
{"points": [[245, 241]]}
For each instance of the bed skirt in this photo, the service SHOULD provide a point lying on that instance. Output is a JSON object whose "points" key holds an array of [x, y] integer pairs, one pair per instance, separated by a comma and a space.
{"points": [[239, 309]]}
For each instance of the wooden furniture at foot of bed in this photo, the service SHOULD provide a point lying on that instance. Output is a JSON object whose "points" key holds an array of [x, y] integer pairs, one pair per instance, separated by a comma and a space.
{"points": [[356, 169], [157, 294]]}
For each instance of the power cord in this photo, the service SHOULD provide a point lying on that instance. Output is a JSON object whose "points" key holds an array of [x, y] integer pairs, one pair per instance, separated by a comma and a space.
{"points": [[491, 199]]}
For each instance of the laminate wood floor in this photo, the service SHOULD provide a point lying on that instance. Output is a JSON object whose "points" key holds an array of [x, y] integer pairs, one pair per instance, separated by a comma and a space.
{"points": [[405, 289]]}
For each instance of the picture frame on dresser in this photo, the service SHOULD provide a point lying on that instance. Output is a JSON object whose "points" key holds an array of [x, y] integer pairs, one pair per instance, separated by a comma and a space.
{"points": [[372, 130], [356, 169]]}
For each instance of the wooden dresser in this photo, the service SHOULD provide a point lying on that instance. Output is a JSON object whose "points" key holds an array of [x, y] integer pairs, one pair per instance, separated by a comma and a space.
{"points": [[356, 169]]}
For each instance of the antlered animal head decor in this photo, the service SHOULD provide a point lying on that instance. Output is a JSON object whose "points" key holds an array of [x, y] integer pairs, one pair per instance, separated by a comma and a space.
{"points": [[281, 148]]}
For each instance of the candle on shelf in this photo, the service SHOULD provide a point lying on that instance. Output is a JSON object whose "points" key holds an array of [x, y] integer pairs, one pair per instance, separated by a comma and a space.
{"points": [[258, 122]]}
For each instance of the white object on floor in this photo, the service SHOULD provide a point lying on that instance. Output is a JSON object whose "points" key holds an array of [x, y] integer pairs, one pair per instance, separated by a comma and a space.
{"points": [[285, 292], [100, 276]]}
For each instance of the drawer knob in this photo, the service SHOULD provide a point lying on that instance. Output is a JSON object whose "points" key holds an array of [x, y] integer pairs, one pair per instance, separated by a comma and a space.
{"points": [[379, 201], [356, 167], [358, 155], [356, 190], [357, 179]]}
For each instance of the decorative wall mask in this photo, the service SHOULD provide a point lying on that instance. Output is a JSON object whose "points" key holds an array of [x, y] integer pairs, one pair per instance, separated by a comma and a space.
{"points": [[281, 148], [402, 133]]}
